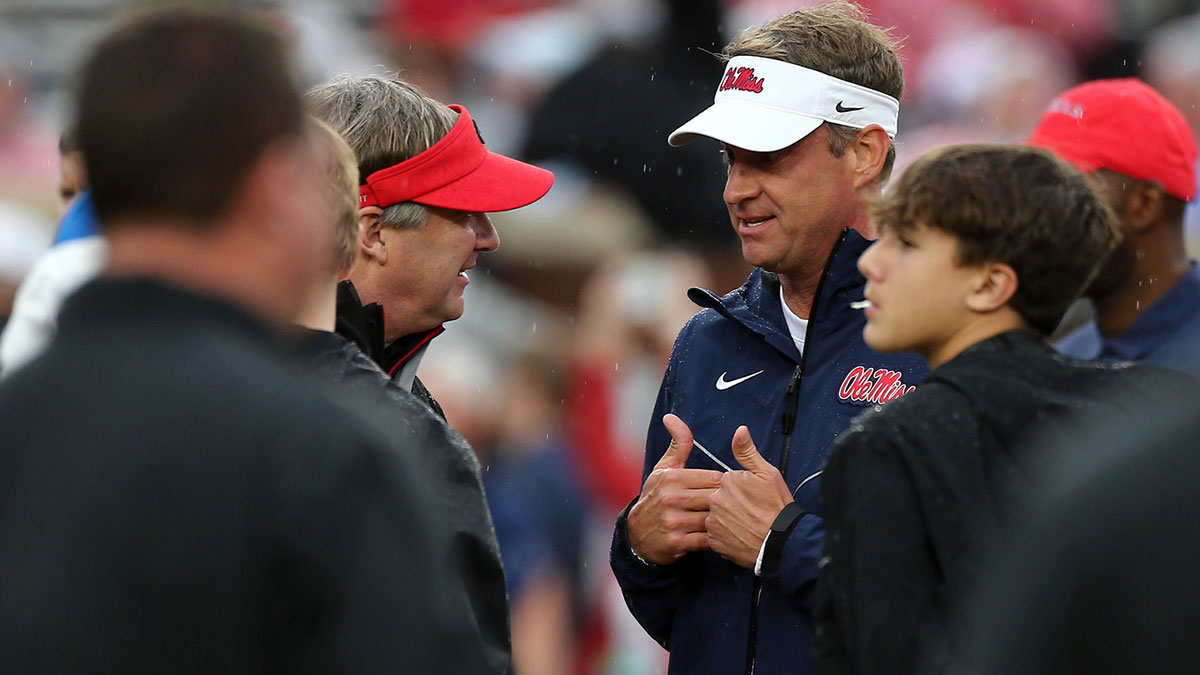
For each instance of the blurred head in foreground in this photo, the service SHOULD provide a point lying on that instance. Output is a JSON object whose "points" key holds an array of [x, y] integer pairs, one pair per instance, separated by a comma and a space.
{"points": [[193, 138]]}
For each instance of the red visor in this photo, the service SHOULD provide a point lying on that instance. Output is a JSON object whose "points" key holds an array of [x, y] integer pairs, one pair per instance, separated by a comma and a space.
{"points": [[459, 173]]}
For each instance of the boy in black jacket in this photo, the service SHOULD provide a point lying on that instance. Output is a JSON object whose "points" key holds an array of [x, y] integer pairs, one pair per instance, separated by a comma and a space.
{"points": [[982, 249]]}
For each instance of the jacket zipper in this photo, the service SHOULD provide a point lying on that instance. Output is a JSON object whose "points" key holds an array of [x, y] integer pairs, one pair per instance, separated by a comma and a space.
{"points": [[790, 411], [791, 402]]}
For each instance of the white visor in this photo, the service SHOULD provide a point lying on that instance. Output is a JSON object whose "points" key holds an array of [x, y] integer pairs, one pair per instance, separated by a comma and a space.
{"points": [[763, 105]]}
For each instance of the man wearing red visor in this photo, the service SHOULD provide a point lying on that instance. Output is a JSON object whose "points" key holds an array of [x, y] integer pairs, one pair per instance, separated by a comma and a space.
{"points": [[428, 183]]}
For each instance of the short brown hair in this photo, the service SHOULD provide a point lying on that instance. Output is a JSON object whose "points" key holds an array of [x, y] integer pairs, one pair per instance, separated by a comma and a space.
{"points": [[386, 121], [835, 38], [1014, 205], [176, 106], [341, 188]]}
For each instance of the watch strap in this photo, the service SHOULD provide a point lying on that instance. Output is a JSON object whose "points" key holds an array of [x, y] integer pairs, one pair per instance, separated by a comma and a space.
{"points": [[784, 523]]}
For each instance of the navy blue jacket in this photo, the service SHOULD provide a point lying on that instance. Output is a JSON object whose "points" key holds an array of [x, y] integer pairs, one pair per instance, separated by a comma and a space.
{"points": [[714, 616]]}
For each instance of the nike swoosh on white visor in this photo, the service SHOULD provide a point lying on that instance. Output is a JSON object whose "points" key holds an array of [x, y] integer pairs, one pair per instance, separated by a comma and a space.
{"points": [[723, 384]]}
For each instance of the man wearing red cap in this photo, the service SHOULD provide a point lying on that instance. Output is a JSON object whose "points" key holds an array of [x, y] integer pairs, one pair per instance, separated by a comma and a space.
{"points": [[427, 183], [1142, 154]]}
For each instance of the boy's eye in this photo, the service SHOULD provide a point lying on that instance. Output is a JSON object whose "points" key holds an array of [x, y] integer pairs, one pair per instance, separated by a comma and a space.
{"points": [[905, 242]]}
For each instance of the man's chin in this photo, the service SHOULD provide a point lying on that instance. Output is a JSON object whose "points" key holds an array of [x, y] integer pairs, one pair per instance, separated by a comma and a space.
{"points": [[757, 258], [454, 310]]}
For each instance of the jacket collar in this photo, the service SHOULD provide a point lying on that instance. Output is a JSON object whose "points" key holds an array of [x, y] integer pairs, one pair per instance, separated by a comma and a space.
{"points": [[363, 325], [756, 303], [107, 302]]}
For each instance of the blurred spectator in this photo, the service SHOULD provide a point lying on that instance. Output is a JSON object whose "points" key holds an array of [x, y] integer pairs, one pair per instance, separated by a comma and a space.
{"points": [[1081, 26], [447, 24], [539, 509], [984, 85], [613, 115], [72, 174], [628, 316], [28, 153], [1171, 63], [24, 235], [1141, 153], [1103, 580], [78, 255], [323, 39]]}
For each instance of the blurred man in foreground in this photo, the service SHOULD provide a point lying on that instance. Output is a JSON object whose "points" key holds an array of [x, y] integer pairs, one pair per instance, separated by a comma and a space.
{"points": [[1103, 579], [176, 498]]}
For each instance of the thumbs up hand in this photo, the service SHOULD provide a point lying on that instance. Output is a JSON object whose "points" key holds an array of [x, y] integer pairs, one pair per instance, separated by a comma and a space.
{"points": [[667, 521], [742, 509]]}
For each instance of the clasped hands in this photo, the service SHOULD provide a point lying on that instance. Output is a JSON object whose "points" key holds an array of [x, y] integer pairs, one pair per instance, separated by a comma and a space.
{"points": [[682, 510]]}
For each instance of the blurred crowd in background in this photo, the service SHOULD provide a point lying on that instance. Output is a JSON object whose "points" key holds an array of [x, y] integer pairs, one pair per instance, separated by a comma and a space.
{"points": [[552, 373]]}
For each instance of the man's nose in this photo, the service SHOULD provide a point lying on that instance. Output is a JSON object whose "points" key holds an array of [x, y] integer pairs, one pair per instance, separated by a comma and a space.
{"points": [[486, 238], [740, 185]]}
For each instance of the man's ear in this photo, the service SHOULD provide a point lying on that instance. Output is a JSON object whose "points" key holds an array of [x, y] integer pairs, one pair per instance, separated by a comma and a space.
{"points": [[1142, 207], [869, 150], [995, 285], [371, 244]]}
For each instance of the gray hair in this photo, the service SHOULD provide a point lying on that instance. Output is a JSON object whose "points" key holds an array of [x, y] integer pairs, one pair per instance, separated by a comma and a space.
{"points": [[386, 121]]}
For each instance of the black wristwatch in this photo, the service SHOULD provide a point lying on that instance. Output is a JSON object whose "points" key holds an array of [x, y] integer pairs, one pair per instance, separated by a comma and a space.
{"points": [[784, 523]]}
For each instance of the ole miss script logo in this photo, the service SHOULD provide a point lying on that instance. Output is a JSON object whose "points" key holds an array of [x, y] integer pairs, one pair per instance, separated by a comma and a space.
{"points": [[742, 79], [872, 385]]}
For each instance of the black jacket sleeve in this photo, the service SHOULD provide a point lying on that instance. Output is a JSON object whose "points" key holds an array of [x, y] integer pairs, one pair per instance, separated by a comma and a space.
{"points": [[879, 596]]}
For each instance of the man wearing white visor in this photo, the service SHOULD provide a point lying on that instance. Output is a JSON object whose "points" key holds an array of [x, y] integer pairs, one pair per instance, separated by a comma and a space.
{"points": [[718, 556]]}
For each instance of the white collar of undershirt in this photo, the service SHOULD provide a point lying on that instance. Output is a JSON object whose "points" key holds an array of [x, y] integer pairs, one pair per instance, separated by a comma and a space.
{"points": [[796, 326]]}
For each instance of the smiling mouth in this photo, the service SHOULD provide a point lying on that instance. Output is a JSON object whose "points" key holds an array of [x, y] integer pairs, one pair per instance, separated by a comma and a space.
{"points": [[752, 223]]}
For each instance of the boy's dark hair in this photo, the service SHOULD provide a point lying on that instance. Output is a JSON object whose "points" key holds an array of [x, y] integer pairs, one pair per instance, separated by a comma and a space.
{"points": [[1014, 205], [176, 106]]}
